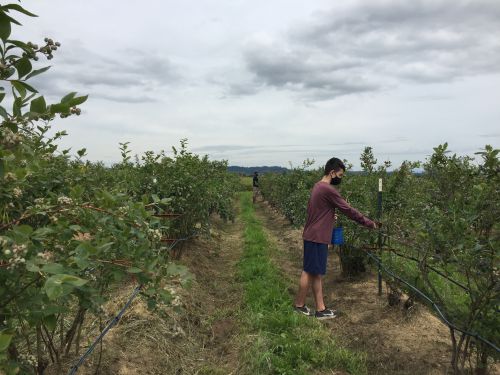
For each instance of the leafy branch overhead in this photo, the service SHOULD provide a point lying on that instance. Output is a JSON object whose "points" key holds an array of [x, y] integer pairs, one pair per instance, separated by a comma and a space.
{"points": [[17, 59]]}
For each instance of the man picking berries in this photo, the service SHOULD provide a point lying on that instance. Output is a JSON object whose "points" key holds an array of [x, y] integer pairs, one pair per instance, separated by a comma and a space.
{"points": [[323, 202]]}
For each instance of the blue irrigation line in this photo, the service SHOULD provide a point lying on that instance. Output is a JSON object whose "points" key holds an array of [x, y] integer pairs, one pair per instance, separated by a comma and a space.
{"points": [[433, 304], [118, 316]]}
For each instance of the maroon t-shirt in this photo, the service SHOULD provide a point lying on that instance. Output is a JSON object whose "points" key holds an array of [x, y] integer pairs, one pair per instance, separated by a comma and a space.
{"points": [[321, 213]]}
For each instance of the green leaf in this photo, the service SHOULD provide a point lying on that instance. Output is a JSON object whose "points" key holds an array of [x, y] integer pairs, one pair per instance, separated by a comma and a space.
{"points": [[53, 268], [16, 107], [19, 87], [117, 275], [54, 309], [81, 263], [19, 8], [5, 27], [17, 43], [23, 66], [3, 112], [59, 108], [54, 285], [84, 249], [68, 97], [73, 280], [12, 20], [24, 230], [2, 96], [78, 100], [5, 339], [165, 296], [37, 72], [38, 105], [134, 270], [50, 322], [42, 233], [151, 303], [10, 72], [105, 246], [32, 267], [28, 87]]}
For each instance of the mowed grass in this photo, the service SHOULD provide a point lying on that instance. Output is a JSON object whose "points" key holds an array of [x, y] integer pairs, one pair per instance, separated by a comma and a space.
{"points": [[284, 342]]}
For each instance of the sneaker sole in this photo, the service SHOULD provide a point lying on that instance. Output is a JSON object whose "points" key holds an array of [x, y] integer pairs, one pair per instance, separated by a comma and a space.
{"points": [[303, 313], [326, 317]]}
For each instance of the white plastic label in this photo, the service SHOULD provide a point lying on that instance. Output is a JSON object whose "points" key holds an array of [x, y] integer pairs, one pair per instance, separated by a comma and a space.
{"points": [[379, 184]]}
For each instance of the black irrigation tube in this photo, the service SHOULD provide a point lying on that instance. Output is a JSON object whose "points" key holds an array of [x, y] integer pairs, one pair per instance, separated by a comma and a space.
{"points": [[110, 325], [387, 248], [434, 305], [430, 267], [118, 316]]}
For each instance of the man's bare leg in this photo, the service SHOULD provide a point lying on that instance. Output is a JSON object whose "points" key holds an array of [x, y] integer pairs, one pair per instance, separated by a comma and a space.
{"points": [[304, 285], [317, 287]]}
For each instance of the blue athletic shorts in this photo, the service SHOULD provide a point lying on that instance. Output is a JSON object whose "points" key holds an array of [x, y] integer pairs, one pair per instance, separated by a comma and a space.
{"points": [[315, 256]]}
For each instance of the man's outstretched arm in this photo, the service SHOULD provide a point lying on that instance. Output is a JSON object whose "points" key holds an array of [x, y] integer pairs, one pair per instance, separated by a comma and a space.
{"points": [[338, 202]]}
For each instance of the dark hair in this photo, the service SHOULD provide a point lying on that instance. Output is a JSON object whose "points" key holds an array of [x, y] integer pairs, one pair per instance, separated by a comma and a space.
{"points": [[334, 164]]}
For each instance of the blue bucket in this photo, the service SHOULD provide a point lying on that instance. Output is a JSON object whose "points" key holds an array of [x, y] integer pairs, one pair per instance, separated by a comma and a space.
{"points": [[338, 236]]}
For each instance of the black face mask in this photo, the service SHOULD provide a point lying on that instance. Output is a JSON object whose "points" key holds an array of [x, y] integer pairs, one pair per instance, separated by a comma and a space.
{"points": [[336, 181]]}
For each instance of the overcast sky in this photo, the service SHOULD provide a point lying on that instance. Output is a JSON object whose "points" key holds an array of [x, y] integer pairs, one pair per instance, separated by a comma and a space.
{"points": [[276, 81]]}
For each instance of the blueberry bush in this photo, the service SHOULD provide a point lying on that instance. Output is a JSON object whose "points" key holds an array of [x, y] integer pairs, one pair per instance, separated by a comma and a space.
{"points": [[72, 230]]}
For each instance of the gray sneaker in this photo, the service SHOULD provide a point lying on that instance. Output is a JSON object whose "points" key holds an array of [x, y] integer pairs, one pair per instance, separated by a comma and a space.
{"points": [[303, 310], [326, 314]]}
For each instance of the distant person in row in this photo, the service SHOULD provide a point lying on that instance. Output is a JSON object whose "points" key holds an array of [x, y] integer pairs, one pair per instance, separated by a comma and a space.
{"points": [[255, 186], [323, 202]]}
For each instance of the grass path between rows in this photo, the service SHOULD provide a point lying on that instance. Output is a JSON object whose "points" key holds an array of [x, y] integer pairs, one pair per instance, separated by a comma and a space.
{"points": [[284, 341]]}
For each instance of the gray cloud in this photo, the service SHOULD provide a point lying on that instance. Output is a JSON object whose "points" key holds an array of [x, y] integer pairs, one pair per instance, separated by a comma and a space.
{"points": [[292, 148], [377, 45], [490, 135], [130, 77]]}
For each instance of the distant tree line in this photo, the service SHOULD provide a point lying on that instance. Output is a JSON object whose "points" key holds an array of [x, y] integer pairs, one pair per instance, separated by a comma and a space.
{"points": [[247, 171]]}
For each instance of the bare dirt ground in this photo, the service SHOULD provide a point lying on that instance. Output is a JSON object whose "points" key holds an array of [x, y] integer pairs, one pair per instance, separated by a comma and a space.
{"points": [[395, 342], [200, 337]]}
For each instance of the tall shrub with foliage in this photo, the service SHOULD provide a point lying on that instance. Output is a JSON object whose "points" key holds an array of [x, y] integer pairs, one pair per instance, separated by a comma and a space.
{"points": [[444, 223], [70, 229]]}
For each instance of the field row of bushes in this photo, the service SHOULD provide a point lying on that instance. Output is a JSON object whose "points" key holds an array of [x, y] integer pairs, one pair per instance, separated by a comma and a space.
{"points": [[445, 218], [72, 230]]}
